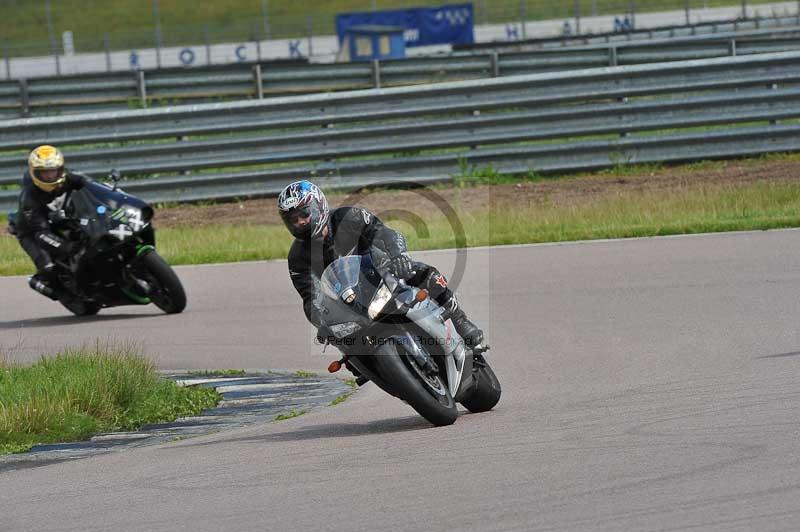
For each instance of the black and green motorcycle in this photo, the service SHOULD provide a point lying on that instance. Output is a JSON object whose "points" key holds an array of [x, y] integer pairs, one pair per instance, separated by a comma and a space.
{"points": [[115, 261]]}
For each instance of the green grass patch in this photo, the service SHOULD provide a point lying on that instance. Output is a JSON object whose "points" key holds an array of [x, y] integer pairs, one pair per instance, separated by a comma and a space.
{"points": [[703, 209], [82, 392], [470, 175], [225, 243], [341, 399], [290, 415], [218, 373], [305, 374]]}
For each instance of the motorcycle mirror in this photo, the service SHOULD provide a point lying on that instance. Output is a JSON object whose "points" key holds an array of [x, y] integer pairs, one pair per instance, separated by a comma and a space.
{"points": [[115, 176]]}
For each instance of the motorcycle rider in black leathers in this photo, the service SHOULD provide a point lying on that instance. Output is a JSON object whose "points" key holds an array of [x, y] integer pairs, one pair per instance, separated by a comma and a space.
{"points": [[45, 186], [323, 235]]}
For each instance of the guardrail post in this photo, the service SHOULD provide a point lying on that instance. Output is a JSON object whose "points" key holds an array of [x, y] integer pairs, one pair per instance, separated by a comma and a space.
{"points": [[623, 100], [375, 73], [24, 97], [259, 81], [207, 42], [310, 29], [774, 87], [141, 86], [107, 50], [7, 61], [613, 59], [732, 48], [494, 61]]}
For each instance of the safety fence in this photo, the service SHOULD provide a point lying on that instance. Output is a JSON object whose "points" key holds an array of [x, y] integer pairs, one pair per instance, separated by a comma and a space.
{"points": [[552, 122], [139, 89]]}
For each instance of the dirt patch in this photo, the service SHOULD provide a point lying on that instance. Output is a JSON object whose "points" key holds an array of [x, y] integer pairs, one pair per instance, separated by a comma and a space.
{"points": [[565, 191]]}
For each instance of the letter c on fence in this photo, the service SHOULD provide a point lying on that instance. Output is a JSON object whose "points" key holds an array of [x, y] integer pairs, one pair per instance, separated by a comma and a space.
{"points": [[240, 52], [186, 56]]}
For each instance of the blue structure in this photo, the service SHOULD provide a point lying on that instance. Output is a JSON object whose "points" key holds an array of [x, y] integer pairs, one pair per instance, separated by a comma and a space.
{"points": [[371, 41], [425, 26]]}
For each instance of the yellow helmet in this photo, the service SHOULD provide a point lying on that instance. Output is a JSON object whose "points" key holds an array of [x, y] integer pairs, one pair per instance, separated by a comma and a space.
{"points": [[46, 165]]}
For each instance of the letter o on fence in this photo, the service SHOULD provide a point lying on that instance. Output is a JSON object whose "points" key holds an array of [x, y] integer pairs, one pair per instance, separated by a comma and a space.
{"points": [[186, 56]]}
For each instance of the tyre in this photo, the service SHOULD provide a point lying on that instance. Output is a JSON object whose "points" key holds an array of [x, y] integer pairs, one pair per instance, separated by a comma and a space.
{"points": [[487, 390], [81, 308], [428, 395], [166, 291]]}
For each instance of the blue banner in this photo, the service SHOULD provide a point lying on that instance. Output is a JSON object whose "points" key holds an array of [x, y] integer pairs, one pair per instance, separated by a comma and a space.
{"points": [[450, 24]]}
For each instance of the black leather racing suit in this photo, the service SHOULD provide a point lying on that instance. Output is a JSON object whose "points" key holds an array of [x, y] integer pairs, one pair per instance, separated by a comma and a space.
{"points": [[33, 226], [352, 231]]}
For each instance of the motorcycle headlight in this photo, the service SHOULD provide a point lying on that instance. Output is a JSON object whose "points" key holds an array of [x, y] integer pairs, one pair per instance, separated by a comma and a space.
{"points": [[340, 330], [382, 296]]}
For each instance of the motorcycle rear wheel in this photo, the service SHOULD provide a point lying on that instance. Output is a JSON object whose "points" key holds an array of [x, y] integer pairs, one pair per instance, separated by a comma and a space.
{"points": [[432, 401]]}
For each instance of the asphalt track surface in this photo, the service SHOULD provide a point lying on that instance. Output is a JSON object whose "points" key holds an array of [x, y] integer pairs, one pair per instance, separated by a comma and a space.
{"points": [[649, 384]]}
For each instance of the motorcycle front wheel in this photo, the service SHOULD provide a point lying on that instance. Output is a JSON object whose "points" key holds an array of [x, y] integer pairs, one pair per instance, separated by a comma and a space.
{"points": [[486, 393], [427, 394], [166, 289]]}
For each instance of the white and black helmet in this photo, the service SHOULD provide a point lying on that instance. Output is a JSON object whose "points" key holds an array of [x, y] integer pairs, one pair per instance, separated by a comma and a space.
{"points": [[303, 209]]}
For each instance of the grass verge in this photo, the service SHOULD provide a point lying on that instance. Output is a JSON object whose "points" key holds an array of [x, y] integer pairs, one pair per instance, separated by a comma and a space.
{"points": [[683, 209], [82, 392]]}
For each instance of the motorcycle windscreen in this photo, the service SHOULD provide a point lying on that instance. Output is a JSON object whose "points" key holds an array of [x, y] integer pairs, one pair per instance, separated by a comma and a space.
{"points": [[341, 274], [348, 286], [114, 199], [86, 206], [94, 204]]}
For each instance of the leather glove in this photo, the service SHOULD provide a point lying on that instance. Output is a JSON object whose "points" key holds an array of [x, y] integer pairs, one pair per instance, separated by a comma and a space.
{"points": [[75, 182], [401, 267]]}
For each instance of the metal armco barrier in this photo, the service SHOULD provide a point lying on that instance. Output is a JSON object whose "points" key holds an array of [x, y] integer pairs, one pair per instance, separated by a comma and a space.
{"points": [[552, 122], [158, 88]]}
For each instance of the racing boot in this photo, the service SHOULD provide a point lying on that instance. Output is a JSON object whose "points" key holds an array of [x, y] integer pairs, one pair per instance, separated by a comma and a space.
{"points": [[470, 332]]}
